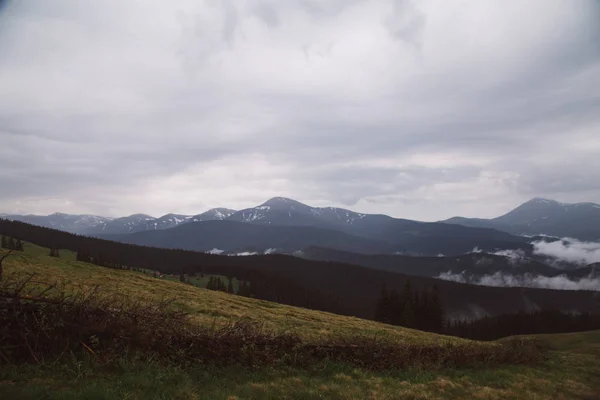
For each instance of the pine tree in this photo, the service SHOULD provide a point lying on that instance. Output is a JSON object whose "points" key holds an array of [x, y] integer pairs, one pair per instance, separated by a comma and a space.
{"points": [[242, 289], [230, 286], [395, 308], [19, 245], [4, 242], [436, 310], [83, 256], [420, 319], [406, 306], [11, 244], [182, 278], [251, 289], [383, 309]]}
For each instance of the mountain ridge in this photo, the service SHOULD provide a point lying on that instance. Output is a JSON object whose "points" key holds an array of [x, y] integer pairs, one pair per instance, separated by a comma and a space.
{"points": [[543, 216], [536, 216]]}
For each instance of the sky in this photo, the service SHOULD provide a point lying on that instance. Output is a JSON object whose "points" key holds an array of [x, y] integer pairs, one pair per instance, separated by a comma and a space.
{"points": [[417, 109]]}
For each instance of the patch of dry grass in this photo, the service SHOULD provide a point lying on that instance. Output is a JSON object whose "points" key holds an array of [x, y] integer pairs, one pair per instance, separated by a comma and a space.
{"points": [[207, 307]]}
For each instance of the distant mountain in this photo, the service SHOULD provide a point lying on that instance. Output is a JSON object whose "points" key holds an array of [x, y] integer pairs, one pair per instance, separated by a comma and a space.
{"points": [[234, 237], [283, 211], [376, 231], [543, 216], [95, 225], [131, 224], [419, 238], [65, 222], [168, 221], [215, 214]]}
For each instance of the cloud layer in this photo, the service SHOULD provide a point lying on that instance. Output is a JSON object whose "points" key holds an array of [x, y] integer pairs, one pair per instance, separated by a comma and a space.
{"points": [[417, 109], [569, 250], [560, 282]]}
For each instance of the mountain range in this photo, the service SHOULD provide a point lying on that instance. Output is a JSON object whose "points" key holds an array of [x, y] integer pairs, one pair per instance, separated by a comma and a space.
{"points": [[286, 226]]}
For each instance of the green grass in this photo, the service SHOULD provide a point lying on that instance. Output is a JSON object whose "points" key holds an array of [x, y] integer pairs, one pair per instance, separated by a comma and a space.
{"points": [[572, 370], [202, 281], [205, 306]]}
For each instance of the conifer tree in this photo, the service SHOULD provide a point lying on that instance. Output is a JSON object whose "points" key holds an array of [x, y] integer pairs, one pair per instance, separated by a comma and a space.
{"points": [[211, 283], [251, 289], [406, 306], [383, 309], [242, 289], [19, 245], [436, 310], [4, 242], [220, 285], [230, 286], [11, 243], [181, 278]]}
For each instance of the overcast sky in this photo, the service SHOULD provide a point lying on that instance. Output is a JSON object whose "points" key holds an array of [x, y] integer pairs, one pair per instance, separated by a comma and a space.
{"points": [[419, 109]]}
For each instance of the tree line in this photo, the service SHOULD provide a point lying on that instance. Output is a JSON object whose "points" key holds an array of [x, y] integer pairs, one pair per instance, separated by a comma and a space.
{"points": [[411, 308], [97, 258], [11, 243], [523, 323]]}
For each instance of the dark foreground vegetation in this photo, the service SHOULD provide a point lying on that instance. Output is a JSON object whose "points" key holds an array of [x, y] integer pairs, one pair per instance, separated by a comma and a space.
{"points": [[40, 324]]}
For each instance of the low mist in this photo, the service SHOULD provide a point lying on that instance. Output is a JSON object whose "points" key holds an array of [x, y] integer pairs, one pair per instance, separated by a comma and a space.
{"points": [[560, 282], [569, 250]]}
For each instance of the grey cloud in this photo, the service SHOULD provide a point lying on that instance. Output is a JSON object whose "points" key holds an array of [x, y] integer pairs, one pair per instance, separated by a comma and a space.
{"points": [[164, 102], [406, 22], [325, 9], [267, 13]]}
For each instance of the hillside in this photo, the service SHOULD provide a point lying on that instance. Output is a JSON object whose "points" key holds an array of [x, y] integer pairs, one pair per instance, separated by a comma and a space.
{"points": [[473, 264], [204, 306], [571, 371]]}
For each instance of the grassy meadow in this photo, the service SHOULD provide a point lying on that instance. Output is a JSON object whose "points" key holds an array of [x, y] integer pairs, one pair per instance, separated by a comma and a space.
{"points": [[571, 370], [206, 307]]}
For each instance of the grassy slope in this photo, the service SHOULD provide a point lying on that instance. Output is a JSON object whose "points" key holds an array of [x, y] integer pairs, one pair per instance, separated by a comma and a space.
{"points": [[572, 372], [206, 307]]}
